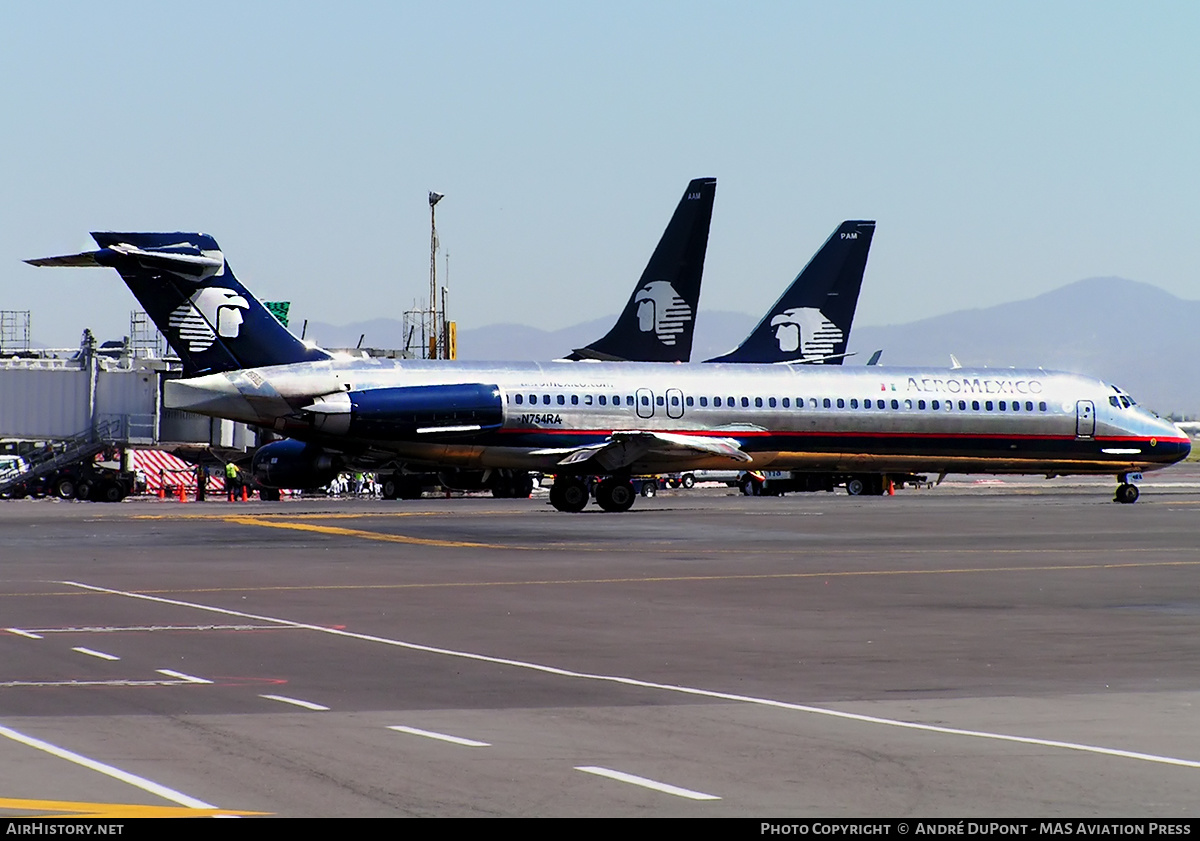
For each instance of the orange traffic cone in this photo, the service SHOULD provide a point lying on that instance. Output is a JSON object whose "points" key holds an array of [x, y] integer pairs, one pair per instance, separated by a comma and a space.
{"points": [[182, 493], [891, 488]]}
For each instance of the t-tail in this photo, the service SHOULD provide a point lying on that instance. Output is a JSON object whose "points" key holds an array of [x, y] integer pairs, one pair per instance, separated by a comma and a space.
{"points": [[811, 320], [658, 323], [189, 291]]}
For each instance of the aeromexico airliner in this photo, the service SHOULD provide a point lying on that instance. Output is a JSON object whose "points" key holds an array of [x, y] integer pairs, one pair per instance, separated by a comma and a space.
{"points": [[610, 419]]}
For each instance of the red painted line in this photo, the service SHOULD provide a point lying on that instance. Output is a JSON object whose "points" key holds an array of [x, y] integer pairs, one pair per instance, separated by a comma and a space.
{"points": [[834, 434]]}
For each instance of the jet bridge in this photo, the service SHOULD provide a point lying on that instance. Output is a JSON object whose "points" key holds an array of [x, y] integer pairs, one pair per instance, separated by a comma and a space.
{"points": [[79, 402]]}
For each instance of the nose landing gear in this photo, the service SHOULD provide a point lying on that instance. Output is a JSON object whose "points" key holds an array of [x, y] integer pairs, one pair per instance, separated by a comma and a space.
{"points": [[1127, 492]]}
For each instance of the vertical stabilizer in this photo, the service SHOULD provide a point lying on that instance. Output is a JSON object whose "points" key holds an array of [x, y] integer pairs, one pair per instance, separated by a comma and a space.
{"points": [[659, 321], [811, 320], [192, 296]]}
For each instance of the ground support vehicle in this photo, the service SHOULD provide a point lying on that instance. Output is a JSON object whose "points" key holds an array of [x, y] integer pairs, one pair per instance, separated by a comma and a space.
{"points": [[779, 482]]}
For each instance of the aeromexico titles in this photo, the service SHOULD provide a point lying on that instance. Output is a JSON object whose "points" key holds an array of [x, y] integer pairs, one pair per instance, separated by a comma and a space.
{"points": [[609, 419]]}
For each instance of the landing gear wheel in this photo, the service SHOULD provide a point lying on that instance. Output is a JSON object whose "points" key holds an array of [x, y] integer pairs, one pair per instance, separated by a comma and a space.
{"points": [[856, 486], [569, 495], [1127, 493], [615, 495]]}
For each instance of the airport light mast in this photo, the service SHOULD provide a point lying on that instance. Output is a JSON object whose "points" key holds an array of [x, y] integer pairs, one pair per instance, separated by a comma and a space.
{"points": [[436, 341]]}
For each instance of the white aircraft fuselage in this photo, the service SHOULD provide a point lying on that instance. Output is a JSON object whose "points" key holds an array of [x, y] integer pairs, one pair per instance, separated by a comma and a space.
{"points": [[655, 418]]}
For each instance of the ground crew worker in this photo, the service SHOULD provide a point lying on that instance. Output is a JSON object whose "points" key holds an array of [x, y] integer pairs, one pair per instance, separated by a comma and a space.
{"points": [[232, 481]]}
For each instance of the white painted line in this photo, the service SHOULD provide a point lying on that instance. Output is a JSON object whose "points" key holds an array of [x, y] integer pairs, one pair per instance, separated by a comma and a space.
{"points": [[116, 629], [645, 783], [17, 684], [21, 633], [664, 687], [182, 676], [308, 705], [94, 653], [430, 734], [116, 773]]}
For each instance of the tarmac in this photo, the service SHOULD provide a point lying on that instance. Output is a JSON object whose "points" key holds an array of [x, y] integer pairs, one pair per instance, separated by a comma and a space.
{"points": [[1015, 647]]}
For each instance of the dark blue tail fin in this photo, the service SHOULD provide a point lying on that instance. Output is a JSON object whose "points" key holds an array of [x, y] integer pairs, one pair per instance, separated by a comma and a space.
{"points": [[811, 320], [189, 291], [658, 322]]}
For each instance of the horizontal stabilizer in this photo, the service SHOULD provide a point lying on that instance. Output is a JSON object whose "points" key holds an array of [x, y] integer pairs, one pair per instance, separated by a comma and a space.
{"points": [[87, 258]]}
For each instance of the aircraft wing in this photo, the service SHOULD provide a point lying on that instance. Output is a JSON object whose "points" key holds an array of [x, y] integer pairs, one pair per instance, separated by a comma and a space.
{"points": [[624, 448]]}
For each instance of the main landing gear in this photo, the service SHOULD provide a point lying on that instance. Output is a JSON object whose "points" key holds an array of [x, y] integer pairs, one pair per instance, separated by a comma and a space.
{"points": [[569, 493], [615, 495], [1127, 492]]}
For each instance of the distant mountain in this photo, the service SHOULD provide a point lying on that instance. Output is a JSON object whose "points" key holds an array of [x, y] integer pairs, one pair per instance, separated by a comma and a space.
{"points": [[1129, 333], [1132, 334]]}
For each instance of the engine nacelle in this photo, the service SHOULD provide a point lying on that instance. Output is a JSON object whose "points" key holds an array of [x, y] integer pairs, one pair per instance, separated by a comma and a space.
{"points": [[294, 464], [409, 413]]}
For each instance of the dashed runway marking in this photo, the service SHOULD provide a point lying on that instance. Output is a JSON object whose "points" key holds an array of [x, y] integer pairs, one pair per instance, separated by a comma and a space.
{"points": [[91, 652], [182, 676], [442, 737], [296, 702], [633, 779]]}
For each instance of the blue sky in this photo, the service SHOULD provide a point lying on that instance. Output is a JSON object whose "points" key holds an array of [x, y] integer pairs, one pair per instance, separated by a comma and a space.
{"points": [[1005, 149]]}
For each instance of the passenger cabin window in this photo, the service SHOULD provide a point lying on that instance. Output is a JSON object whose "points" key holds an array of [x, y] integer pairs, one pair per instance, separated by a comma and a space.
{"points": [[562, 400], [603, 400], [703, 402], [519, 400], [771, 402], [787, 403], [826, 403], [841, 404]]}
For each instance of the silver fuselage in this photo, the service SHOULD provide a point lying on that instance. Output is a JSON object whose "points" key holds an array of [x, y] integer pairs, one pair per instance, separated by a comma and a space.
{"points": [[807, 417]]}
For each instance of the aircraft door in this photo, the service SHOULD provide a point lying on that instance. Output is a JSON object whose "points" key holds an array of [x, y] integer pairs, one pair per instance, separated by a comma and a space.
{"points": [[645, 403], [1085, 419], [674, 403]]}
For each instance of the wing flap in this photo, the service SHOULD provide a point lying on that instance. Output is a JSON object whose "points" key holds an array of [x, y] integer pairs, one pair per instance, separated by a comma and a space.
{"points": [[624, 448]]}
